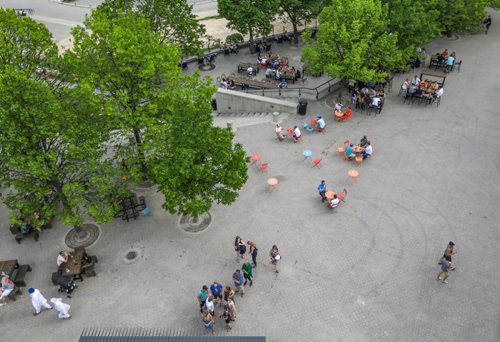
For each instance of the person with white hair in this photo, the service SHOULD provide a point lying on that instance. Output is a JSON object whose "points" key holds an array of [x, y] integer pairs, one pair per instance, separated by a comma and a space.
{"points": [[38, 300], [61, 308], [7, 288]]}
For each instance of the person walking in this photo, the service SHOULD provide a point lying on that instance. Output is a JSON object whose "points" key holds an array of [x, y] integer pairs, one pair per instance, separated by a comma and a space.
{"points": [[226, 316], [247, 272], [487, 24], [240, 248], [238, 282], [38, 300], [61, 308], [202, 297], [209, 304], [253, 252], [216, 290], [7, 288], [232, 308], [274, 255], [322, 190], [445, 265], [208, 323], [448, 252], [228, 293]]}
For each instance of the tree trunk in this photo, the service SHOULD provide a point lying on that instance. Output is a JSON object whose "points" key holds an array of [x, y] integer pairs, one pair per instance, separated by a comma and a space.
{"points": [[141, 153], [295, 33]]}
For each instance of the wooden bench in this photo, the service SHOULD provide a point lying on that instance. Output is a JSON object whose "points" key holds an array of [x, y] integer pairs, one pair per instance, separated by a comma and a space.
{"points": [[19, 275], [243, 82]]}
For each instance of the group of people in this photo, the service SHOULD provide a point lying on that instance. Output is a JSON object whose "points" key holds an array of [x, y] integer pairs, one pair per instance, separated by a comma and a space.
{"points": [[423, 88], [37, 299], [364, 148], [330, 202], [294, 133], [368, 97], [218, 295], [447, 59], [339, 114], [278, 69]]}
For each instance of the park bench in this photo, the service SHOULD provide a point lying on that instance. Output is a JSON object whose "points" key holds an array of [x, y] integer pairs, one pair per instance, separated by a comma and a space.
{"points": [[20, 274]]}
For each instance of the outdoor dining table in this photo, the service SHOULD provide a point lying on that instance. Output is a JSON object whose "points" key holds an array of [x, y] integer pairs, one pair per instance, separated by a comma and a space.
{"points": [[273, 182], [307, 154], [329, 195], [358, 149], [74, 265], [8, 266]]}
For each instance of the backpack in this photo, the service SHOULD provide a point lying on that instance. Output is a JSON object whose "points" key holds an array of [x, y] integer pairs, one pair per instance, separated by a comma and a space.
{"points": [[243, 248]]}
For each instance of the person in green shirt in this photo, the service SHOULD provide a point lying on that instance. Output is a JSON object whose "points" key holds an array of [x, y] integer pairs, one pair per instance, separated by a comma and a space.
{"points": [[247, 272]]}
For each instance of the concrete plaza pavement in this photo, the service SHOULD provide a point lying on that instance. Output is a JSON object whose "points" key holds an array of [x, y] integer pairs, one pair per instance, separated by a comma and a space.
{"points": [[365, 272]]}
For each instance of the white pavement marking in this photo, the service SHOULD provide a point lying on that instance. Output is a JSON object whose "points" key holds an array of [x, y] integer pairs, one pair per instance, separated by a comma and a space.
{"points": [[55, 20]]}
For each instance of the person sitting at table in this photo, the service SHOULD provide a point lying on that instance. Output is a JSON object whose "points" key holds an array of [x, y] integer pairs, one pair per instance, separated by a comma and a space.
{"points": [[347, 114], [368, 150], [439, 93], [278, 75], [223, 83], [338, 106], [415, 80], [423, 84], [375, 101], [450, 61], [231, 84], [445, 54], [320, 123], [381, 93], [334, 202], [296, 134], [62, 259], [283, 84], [7, 288], [349, 151], [364, 141], [250, 71], [297, 74]]}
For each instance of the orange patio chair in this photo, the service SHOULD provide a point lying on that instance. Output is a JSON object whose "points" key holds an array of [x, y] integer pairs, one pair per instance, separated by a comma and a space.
{"points": [[342, 195], [317, 162], [263, 166]]}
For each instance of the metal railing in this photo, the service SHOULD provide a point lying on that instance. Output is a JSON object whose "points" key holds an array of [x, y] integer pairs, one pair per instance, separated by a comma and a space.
{"points": [[302, 92]]}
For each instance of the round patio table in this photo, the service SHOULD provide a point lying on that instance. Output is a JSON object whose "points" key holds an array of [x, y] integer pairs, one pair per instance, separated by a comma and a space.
{"points": [[353, 174], [329, 195], [307, 154], [272, 183]]}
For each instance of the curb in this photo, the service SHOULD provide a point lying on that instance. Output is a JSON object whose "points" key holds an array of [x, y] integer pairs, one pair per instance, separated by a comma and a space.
{"points": [[60, 2]]}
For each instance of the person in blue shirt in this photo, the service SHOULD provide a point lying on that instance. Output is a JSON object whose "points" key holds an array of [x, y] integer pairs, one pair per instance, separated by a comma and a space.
{"points": [[349, 151], [322, 190], [450, 61], [216, 290], [445, 265], [238, 282]]}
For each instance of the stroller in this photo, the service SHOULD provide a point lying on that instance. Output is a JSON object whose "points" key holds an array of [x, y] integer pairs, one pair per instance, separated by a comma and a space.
{"points": [[66, 284]]}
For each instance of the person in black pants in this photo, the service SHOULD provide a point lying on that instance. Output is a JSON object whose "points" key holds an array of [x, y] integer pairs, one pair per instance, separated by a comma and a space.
{"points": [[253, 252]]}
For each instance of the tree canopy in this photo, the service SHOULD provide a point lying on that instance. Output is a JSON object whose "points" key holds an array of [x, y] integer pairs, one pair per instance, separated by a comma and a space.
{"points": [[297, 11], [165, 114], [461, 15], [352, 41], [24, 43], [52, 151], [173, 20], [252, 17]]}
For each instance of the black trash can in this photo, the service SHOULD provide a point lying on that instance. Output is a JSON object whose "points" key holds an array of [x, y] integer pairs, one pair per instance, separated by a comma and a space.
{"points": [[302, 107], [214, 104]]}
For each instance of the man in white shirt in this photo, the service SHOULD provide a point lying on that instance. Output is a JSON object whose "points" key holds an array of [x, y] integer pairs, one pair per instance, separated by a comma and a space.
{"points": [[250, 71], [367, 152], [415, 80], [439, 92], [376, 101], [334, 202], [296, 134], [321, 123]]}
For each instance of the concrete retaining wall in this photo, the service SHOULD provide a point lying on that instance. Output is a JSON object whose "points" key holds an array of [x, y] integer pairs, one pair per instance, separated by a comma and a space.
{"points": [[230, 101]]}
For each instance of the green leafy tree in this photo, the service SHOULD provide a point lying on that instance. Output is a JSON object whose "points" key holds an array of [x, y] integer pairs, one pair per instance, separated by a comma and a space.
{"points": [[300, 11], [252, 17], [24, 43], [52, 152], [173, 20], [164, 114], [353, 41], [415, 22], [461, 15]]}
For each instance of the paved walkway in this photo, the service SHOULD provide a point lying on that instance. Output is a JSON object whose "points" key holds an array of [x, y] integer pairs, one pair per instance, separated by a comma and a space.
{"points": [[365, 272]]}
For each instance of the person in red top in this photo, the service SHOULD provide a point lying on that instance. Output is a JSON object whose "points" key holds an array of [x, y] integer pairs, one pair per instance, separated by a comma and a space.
{"points": [[347, 114], [445, 54]]}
